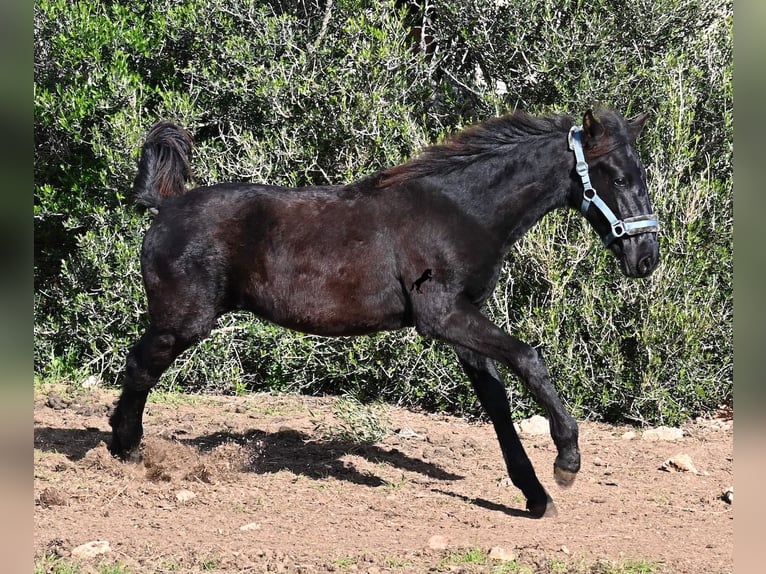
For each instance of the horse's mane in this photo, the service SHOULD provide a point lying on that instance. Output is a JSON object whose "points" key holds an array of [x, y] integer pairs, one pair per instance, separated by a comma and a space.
{"points": [[490, 138], [482, 140]]}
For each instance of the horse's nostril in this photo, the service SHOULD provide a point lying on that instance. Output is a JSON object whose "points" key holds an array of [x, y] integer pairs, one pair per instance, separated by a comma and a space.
{"points": [[645, 266]]}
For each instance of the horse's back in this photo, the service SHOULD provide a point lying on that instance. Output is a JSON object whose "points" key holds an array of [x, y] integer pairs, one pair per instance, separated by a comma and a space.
{"points": [[311, 259]]}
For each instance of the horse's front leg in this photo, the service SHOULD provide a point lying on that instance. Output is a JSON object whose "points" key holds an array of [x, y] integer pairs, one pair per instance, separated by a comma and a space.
{"points": [[491, 393], [461, 323]]}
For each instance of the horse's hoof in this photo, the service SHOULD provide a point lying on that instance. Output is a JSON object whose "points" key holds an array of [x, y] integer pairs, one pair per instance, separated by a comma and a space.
{"points": [[564, 478], [125, 455], [540, 510]]}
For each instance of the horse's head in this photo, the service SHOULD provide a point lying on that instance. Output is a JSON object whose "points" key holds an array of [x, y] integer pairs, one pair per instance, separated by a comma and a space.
{"points": [[613, 195]]}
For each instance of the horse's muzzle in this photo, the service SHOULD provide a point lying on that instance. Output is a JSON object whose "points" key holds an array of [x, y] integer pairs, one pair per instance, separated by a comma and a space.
{"points": [[638, 255]]}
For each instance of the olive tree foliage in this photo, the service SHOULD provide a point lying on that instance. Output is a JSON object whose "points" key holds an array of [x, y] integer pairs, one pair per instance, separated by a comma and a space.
{"points": [[326, 91]]}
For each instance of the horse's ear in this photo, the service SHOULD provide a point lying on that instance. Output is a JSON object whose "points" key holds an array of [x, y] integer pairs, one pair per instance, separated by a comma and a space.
{"points": [[636, 124], [591, 127]]}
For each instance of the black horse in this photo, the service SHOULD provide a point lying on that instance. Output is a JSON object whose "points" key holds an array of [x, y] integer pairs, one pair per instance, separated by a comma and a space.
{"points": [[419, 244]]}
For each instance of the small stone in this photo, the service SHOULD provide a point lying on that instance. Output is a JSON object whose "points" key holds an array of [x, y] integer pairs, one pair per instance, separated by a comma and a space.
{"points": [[565, 550], [52, 496], [505, 482], [91, 382], [250, 526], [663, 433], [679, 463], [500, 553], [437, 542], [184, 495], [535, 425], [629, 435], [91, 549], [407, 432], [57, 402]]}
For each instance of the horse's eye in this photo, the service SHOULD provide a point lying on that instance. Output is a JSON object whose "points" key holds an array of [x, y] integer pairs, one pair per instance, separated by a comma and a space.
{"points": [[620, 182]]}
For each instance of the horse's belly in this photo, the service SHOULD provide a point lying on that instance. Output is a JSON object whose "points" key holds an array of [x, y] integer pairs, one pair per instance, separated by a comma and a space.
{"points": [[331, 306]]}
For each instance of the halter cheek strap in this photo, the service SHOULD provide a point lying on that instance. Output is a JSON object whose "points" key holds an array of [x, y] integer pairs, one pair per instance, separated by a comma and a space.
{"points": [[619, 227]]}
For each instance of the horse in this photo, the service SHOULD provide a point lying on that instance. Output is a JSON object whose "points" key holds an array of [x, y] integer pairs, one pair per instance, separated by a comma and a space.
{"points": [[419, 245]]}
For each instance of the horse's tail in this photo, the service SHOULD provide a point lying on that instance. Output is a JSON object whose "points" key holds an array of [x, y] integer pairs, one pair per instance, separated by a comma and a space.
{"points": [[164, 167]]}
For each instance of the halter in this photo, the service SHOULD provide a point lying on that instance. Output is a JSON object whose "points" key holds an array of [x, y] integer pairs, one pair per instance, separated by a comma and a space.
{"points": [[619, 227]]}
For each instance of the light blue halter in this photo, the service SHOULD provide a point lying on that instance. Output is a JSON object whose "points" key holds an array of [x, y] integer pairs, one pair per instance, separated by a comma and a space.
{"points": [[629, 225]]}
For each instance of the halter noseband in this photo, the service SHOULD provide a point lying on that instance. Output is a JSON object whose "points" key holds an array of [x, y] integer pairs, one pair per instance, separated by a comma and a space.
{"points": [[619, 227]]}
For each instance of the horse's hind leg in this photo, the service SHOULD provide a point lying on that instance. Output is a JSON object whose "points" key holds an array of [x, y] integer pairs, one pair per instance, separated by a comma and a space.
{"points": [[146, 361], [491, 392]]}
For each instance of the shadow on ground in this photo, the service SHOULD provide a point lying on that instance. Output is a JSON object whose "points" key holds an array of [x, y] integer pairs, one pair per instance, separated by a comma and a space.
{"points": [[72, 443], [296, 451], [286, 449]]}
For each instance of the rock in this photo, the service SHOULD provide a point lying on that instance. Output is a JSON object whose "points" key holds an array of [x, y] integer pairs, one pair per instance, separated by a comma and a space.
{"points": [[184, 495], [407, 432], [91, 382], [500, 553], [250, 526], [437, 542], [629, 435], [663, 433], [52, 496], [91, 549], [57, 402], [679, 463], [535, 425], [728, 495]]}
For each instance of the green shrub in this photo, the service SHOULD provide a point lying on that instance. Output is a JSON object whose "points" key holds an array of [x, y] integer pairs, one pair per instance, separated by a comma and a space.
{"points": [[353, 421], [325, 92], [98, 304]]}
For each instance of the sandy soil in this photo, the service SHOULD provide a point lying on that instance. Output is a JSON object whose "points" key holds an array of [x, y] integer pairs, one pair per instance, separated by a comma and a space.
{"points": [[269, 484]]}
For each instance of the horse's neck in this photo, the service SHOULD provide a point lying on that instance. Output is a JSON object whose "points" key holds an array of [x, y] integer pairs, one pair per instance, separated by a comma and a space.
{"points": [[509, 194]]}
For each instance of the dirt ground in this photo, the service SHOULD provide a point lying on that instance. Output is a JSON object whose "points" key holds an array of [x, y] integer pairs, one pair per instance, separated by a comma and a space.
{"points": [[268, 484]]}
